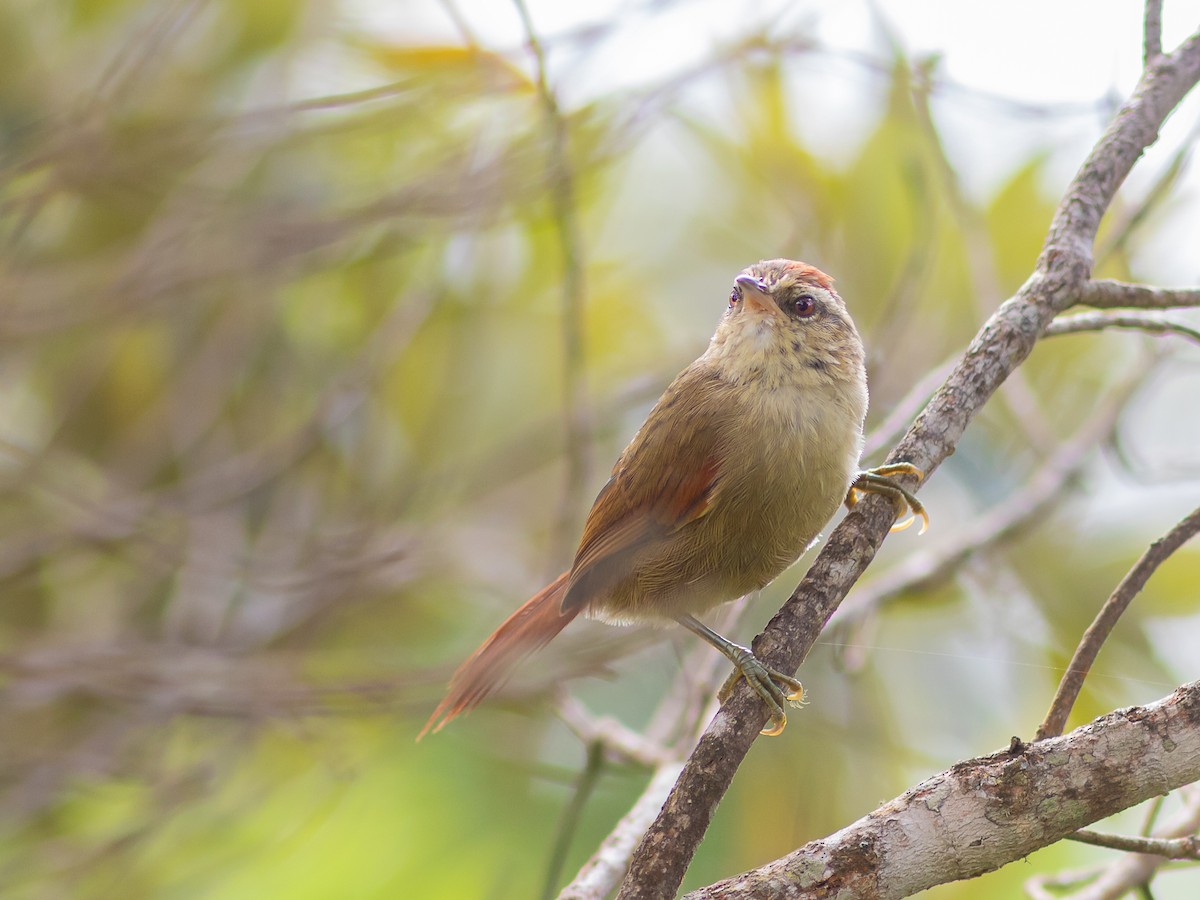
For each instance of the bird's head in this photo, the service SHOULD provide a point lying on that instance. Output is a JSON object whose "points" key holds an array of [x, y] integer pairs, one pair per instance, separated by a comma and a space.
{"points": [[786, 323]]}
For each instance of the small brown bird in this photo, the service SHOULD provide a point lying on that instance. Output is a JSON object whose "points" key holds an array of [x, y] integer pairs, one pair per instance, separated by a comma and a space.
{"points": [[742, 461]]}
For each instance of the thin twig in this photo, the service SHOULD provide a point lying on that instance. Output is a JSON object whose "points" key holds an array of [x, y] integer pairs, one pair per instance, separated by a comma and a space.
{"points": [[618, 739], [1054, 887], [1156, 806], [1152, 40], [1139, 321], [569, 824], [900, 417], [1135, 870], [562, 192], [1096, 634], [460, 22], [1108, 294], [1172, 848], [1016, 392]]}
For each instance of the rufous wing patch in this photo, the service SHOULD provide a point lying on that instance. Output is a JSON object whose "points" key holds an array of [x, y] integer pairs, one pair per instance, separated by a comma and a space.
{"points": [[617, 529]]}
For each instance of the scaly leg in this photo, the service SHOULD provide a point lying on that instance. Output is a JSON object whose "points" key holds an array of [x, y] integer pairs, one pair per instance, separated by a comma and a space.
{"points": [[879, 481], [775, 688]]}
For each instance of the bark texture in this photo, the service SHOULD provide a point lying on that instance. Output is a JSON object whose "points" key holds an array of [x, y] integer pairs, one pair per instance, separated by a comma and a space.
{"points": [[984, 813], [1060, 280]]}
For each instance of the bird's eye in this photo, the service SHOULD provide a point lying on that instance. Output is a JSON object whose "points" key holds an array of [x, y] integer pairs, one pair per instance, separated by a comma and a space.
{"points": [[734, 296], [803, 306]]}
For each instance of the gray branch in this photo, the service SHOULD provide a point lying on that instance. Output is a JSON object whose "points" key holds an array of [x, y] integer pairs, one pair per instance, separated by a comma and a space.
{"points": [[1149, 322], [1126, 873], [984, 813], [923, 570], [1168, 848], [601, 873], [1152, 28], [1059, 280], [1108, 294]]}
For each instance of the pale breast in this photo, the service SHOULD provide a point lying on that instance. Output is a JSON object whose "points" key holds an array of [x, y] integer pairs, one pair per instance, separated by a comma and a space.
{"points": [[793, 480]]}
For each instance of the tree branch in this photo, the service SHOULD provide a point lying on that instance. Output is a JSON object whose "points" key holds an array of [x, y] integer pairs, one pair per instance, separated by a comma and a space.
{"points": [[1170, 848], [1098, 632], [602, 872], [577, 420], [923, 569], [1006, 339], [1125, 222], [569, 823], [1108, 294], [700, 674], [984, 813], [617, 739], [1139, 321], [1152, 32], [1132, 870]]}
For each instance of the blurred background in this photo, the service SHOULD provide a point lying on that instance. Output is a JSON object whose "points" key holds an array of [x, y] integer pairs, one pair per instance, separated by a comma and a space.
{"points": [[322, 322]]}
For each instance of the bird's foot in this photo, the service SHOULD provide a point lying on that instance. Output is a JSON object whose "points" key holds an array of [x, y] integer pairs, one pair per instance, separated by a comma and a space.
{"points": [[880, 481], [776, 689]]}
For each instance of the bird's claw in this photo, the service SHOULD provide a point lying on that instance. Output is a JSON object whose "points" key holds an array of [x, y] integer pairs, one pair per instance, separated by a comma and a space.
{"points": [[774, 687], [880, 481]]}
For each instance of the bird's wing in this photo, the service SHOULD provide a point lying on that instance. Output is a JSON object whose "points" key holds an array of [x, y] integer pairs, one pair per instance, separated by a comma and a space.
{"points": [[652, 494]]}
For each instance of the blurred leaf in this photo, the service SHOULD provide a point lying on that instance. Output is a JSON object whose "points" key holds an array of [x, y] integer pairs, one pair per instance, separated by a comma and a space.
{"points": [[471, 67], [1017, 219], [281, 300]]}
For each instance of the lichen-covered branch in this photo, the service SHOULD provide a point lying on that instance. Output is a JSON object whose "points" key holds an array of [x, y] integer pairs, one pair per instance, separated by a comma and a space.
{"points": [[1127, 872], [984, 813]]}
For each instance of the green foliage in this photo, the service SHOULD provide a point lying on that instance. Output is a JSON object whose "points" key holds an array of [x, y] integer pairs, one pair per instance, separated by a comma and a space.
{"points": [[282, 434]]}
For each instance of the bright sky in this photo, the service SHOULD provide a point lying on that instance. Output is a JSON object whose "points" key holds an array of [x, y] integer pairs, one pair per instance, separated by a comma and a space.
{"points": [[1072, 55]]}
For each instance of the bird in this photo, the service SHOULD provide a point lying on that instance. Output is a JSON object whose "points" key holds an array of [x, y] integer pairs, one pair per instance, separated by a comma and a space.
{"points": [[739, 465]]}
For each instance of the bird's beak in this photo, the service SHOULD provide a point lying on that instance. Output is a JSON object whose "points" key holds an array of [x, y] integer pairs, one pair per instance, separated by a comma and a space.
{"points": [[755, 293]]}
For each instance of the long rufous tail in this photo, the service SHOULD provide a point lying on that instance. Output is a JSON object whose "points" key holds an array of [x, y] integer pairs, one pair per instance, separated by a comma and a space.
{"points": [[530, 627]]}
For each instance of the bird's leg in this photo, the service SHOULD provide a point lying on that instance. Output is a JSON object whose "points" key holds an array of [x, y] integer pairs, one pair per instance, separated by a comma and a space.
{"points": [[879, 481], [774, 687]]}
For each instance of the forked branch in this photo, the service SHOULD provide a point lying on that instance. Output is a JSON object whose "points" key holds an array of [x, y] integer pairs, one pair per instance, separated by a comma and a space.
{"points": [[1060, 279]]}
